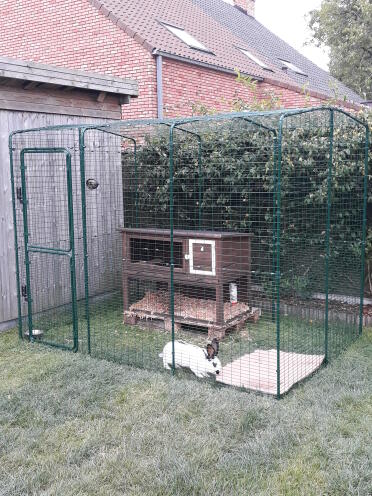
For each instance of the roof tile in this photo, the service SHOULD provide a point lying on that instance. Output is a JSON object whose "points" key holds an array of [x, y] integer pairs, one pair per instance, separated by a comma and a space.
{"points": [[222, 28]]}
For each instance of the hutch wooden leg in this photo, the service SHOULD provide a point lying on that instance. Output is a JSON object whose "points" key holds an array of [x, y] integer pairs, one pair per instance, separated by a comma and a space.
{"points": [[125, 292], [219, 304]]}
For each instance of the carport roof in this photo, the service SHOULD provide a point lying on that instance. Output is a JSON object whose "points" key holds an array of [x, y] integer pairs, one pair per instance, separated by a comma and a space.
{"points": [[34, 75]]}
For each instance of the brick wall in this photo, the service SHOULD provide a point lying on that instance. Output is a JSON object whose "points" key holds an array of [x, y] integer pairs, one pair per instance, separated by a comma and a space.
{"points": [[74, 34], [186, 84], [289, 98]]}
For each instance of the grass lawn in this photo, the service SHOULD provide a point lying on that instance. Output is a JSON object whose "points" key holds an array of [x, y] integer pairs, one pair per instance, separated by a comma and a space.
{"points": [[140, 346], [75, 425]]}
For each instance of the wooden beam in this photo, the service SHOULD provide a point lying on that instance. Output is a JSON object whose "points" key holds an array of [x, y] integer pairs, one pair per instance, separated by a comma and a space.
{"points": [[57, 102], [30, 84], [31, 71], [60, 110], [45, 86], [101, 96], [124, 99]]}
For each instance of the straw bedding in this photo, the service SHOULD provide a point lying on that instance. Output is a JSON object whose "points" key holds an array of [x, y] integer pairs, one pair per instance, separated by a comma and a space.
{"points": [[186, 307]]}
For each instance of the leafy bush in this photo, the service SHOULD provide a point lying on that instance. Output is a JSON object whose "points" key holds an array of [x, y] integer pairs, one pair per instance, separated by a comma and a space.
{"points": [[237, 191]]}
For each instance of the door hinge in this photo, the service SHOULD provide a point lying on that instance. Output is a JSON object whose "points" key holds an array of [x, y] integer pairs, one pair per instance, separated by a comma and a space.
{"points": [[19, 194], [24, 292]]}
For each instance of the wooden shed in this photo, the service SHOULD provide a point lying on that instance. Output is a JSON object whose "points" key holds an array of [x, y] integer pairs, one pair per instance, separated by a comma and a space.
{"points": [[34, 95]]}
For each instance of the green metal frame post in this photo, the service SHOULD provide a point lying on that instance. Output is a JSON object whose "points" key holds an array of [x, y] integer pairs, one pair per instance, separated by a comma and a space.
{"points": [[273, 271], [19, 306], [277, 250], [201, 184], [84, 226], [328, 232], [364, 229], [27, 259], [171, 226]]}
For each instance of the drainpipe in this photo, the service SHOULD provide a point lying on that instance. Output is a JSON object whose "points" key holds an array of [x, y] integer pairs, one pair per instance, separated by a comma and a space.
{"points": [[159, 85]]}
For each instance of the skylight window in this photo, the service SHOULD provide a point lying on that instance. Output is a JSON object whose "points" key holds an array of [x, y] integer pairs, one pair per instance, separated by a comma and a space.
{"points": [[255, 59], [186, 37], [294, 68]]}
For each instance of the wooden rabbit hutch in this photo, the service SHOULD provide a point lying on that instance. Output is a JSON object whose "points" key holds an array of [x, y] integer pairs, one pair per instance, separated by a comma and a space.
{"points": [[208, 266]]}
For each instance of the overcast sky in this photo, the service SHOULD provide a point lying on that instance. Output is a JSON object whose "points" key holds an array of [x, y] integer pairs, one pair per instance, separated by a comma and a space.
{"points": [[286, 18]]}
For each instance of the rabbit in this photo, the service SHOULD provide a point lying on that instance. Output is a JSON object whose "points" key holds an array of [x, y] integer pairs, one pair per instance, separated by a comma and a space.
{"points": [[202, 362]]}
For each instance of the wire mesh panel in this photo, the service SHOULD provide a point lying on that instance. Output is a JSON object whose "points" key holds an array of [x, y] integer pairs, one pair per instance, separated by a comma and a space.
{"points": [[43, 172], [347, 214], [126, 197], [229, 246]]}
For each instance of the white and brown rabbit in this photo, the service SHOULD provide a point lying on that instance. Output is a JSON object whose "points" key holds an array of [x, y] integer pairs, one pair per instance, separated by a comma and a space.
{"points": [[201, 361]]}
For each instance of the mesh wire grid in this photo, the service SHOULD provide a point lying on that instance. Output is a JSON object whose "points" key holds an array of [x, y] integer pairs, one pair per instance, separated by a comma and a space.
{"points": [[246, 228]]}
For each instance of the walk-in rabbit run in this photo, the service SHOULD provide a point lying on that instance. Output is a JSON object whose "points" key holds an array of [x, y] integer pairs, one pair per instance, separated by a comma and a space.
{"points": [[247, 229]]}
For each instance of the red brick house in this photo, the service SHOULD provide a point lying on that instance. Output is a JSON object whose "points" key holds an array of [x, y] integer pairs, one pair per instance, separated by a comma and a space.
{"points": [[180, 51]]}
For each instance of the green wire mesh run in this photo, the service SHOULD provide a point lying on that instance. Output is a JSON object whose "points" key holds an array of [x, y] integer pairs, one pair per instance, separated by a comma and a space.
{"points": [[143, 241]]}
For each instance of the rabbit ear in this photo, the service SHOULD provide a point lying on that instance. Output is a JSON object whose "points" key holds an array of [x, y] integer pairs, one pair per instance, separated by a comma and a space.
{"points": [[210, 351], [215, 345]]}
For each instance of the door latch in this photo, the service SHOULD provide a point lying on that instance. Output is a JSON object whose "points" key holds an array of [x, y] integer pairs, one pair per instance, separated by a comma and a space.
{"points": [[19, 194], [24, 292]]}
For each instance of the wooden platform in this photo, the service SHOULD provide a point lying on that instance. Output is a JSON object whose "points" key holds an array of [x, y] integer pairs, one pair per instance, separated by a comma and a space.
{"points": [[257, 370], [190, 311]]}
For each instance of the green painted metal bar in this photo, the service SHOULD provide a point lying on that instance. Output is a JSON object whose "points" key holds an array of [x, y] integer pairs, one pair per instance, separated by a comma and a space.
{"points": [[34, 150], [19, 306], [328, 232], [323, 109], [364, 228], [52, 251], [72, 257], [135, 181], [151, 122], [84, 227], [274, 231], [171, 226], [201, 185], [257, 124], [277, 249], [27, 258]]}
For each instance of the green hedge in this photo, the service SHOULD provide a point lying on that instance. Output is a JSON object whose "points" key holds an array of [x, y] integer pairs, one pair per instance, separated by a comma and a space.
{"points": [[237, 187]]}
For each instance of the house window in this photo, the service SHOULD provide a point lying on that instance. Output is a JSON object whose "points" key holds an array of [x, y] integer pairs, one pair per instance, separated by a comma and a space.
{"points": [[255, 59], [186, 37], [294, 68]]}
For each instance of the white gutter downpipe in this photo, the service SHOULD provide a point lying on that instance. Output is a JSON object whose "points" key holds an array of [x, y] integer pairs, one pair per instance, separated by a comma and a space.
{"points": [[159, 86]]}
